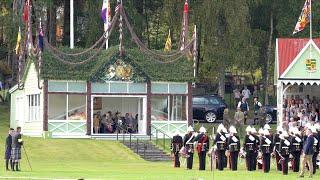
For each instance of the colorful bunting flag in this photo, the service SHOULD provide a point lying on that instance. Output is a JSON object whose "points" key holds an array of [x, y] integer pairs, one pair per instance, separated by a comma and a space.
{"points": [[304, 18], [18, 42], [25, 14]]}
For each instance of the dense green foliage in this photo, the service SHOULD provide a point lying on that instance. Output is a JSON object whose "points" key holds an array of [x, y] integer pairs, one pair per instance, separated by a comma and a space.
{"points": [[179, 71]]}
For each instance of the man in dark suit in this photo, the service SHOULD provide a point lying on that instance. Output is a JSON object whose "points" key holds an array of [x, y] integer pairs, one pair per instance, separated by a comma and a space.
{"points": [[307, 153], [8, 149], [176, 145]]}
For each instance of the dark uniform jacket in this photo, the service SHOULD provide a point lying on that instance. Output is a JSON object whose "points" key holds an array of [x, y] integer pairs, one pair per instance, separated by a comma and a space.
{"points": [[15, 140], [256, 147], [266, 144], [308, 145], [297, 143], [249, 143], [285, 146], [203, 142], [176, 143], [233, 143], [221, 141], [189, 145], [316, 143], [276, 141]]}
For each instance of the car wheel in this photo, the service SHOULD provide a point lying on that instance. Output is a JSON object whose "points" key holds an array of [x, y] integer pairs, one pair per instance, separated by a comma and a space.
{"points": [[210, 117], [269, 118]]}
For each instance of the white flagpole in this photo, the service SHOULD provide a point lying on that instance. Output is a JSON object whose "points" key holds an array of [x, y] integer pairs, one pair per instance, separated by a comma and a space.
{"points": [[310, 19], [71, 25], [106, 24]]}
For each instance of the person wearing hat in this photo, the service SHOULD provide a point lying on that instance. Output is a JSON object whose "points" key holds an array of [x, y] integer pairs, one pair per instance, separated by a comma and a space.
{"points": [[202, 147], [220, 142], [307, 153], [316, 146], [276, 148], [256, 148], [297, 143], [233, 148], [266, 149], [188, 144], [285, 147], [259, 158], [176, 145], [249, 145]]}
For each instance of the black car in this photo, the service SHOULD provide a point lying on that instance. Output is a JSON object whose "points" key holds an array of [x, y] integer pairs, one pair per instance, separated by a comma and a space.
{"points": [[208, 108], [271, 114]]}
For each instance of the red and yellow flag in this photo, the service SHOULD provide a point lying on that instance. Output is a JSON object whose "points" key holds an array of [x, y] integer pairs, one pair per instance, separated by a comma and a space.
{"points": [[304, 18]]}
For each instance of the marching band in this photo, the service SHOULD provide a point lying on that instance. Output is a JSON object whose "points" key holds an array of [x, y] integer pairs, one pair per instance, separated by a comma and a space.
{"points": [[292, 148]]}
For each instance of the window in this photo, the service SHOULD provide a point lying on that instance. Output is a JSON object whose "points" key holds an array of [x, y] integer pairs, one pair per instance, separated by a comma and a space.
{"points": [[34, 107], [67, 107], [199, 101], [164, 108], [213, 101]]}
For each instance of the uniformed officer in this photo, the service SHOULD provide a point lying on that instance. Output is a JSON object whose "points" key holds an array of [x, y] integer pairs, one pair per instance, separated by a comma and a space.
{"points": [[256, 148], [176, 145], [276, 148], [226, 159], [220, 142], [202, 147], [266, 149], [188, 144], [285, 147], [316, 146], [249, 145], [233, 147], [317, 126], [260, 158], [297, 144]]}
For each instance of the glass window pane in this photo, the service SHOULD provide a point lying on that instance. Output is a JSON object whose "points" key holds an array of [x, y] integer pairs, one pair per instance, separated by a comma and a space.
{"points": [[77, 87], [100, 87], [159, 88], [57, 106], [178, 109], [213, 101], [118, 87], [77, 107], [178, 88], [137, 88], [57, 86], [159, 108]]}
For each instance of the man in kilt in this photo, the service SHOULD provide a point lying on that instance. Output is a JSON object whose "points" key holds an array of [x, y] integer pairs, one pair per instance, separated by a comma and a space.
{"points": [[16, 149], [7, 155]]}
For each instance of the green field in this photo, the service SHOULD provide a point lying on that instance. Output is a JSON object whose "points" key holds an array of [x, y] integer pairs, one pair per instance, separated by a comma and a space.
{"points": [[98, 159]]}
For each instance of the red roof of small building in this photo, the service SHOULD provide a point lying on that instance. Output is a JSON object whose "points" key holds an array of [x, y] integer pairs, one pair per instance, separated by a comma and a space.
{"points": [[288, 50]]}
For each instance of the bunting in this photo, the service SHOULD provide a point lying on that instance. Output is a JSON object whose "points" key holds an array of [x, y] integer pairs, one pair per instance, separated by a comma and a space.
{"points": [[304, 18], [17, 49], [168, 44]]}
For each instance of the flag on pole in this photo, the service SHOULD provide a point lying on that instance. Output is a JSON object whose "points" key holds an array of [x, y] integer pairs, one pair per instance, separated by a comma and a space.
{"points": [[25, 14], [18, 42], [304, 18], [104, 11], [168, 44], [118, 4]]}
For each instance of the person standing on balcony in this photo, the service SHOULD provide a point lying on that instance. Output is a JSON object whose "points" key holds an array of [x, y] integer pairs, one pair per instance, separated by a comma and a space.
{"points": [[176, 145]]}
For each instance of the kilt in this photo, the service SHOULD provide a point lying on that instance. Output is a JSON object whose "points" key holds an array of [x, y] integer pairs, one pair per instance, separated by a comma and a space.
{"points": [[16, 154], [7, 154]]}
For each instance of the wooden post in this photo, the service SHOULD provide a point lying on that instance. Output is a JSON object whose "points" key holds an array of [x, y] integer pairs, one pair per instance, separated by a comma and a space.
{"points": [[190, 112], [148, 108], [88, 108], [45, 105]]}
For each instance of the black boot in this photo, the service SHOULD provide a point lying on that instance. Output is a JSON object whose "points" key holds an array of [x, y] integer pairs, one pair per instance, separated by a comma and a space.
{"points": [[7, 164], [12, 165], [17, 166]]}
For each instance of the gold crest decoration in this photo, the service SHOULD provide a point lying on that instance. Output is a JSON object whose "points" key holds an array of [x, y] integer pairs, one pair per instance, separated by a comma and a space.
{"points": [[311, 65]]}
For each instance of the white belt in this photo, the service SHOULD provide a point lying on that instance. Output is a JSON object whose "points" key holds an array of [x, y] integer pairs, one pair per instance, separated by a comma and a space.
{"points": [[265, 145]]}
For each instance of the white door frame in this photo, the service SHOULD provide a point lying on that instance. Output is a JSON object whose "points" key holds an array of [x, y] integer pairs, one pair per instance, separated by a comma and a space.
{"points": [[144, 110]]}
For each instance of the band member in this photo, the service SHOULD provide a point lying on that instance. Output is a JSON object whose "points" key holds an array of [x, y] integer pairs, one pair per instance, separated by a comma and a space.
{"points": [[276, 149], [16, 149], [316, 145], [188, 144], [225, 159], [234, 148], [317, 126], [256, 148], [249, 145], [8, 149], [307, 153], [221, 143], [285, 147], [260, 158], [176, 145], [266, 149], [297, 143], [202, 147]]}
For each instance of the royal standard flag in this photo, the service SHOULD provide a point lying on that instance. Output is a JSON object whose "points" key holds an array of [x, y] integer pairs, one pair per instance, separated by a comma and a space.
{"points": [[304, 18], [18, 41], [168, 44], [311, 65]]}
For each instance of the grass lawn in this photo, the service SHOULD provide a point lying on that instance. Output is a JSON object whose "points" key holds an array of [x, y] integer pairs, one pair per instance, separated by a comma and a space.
{"points": [[98, 159]]}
